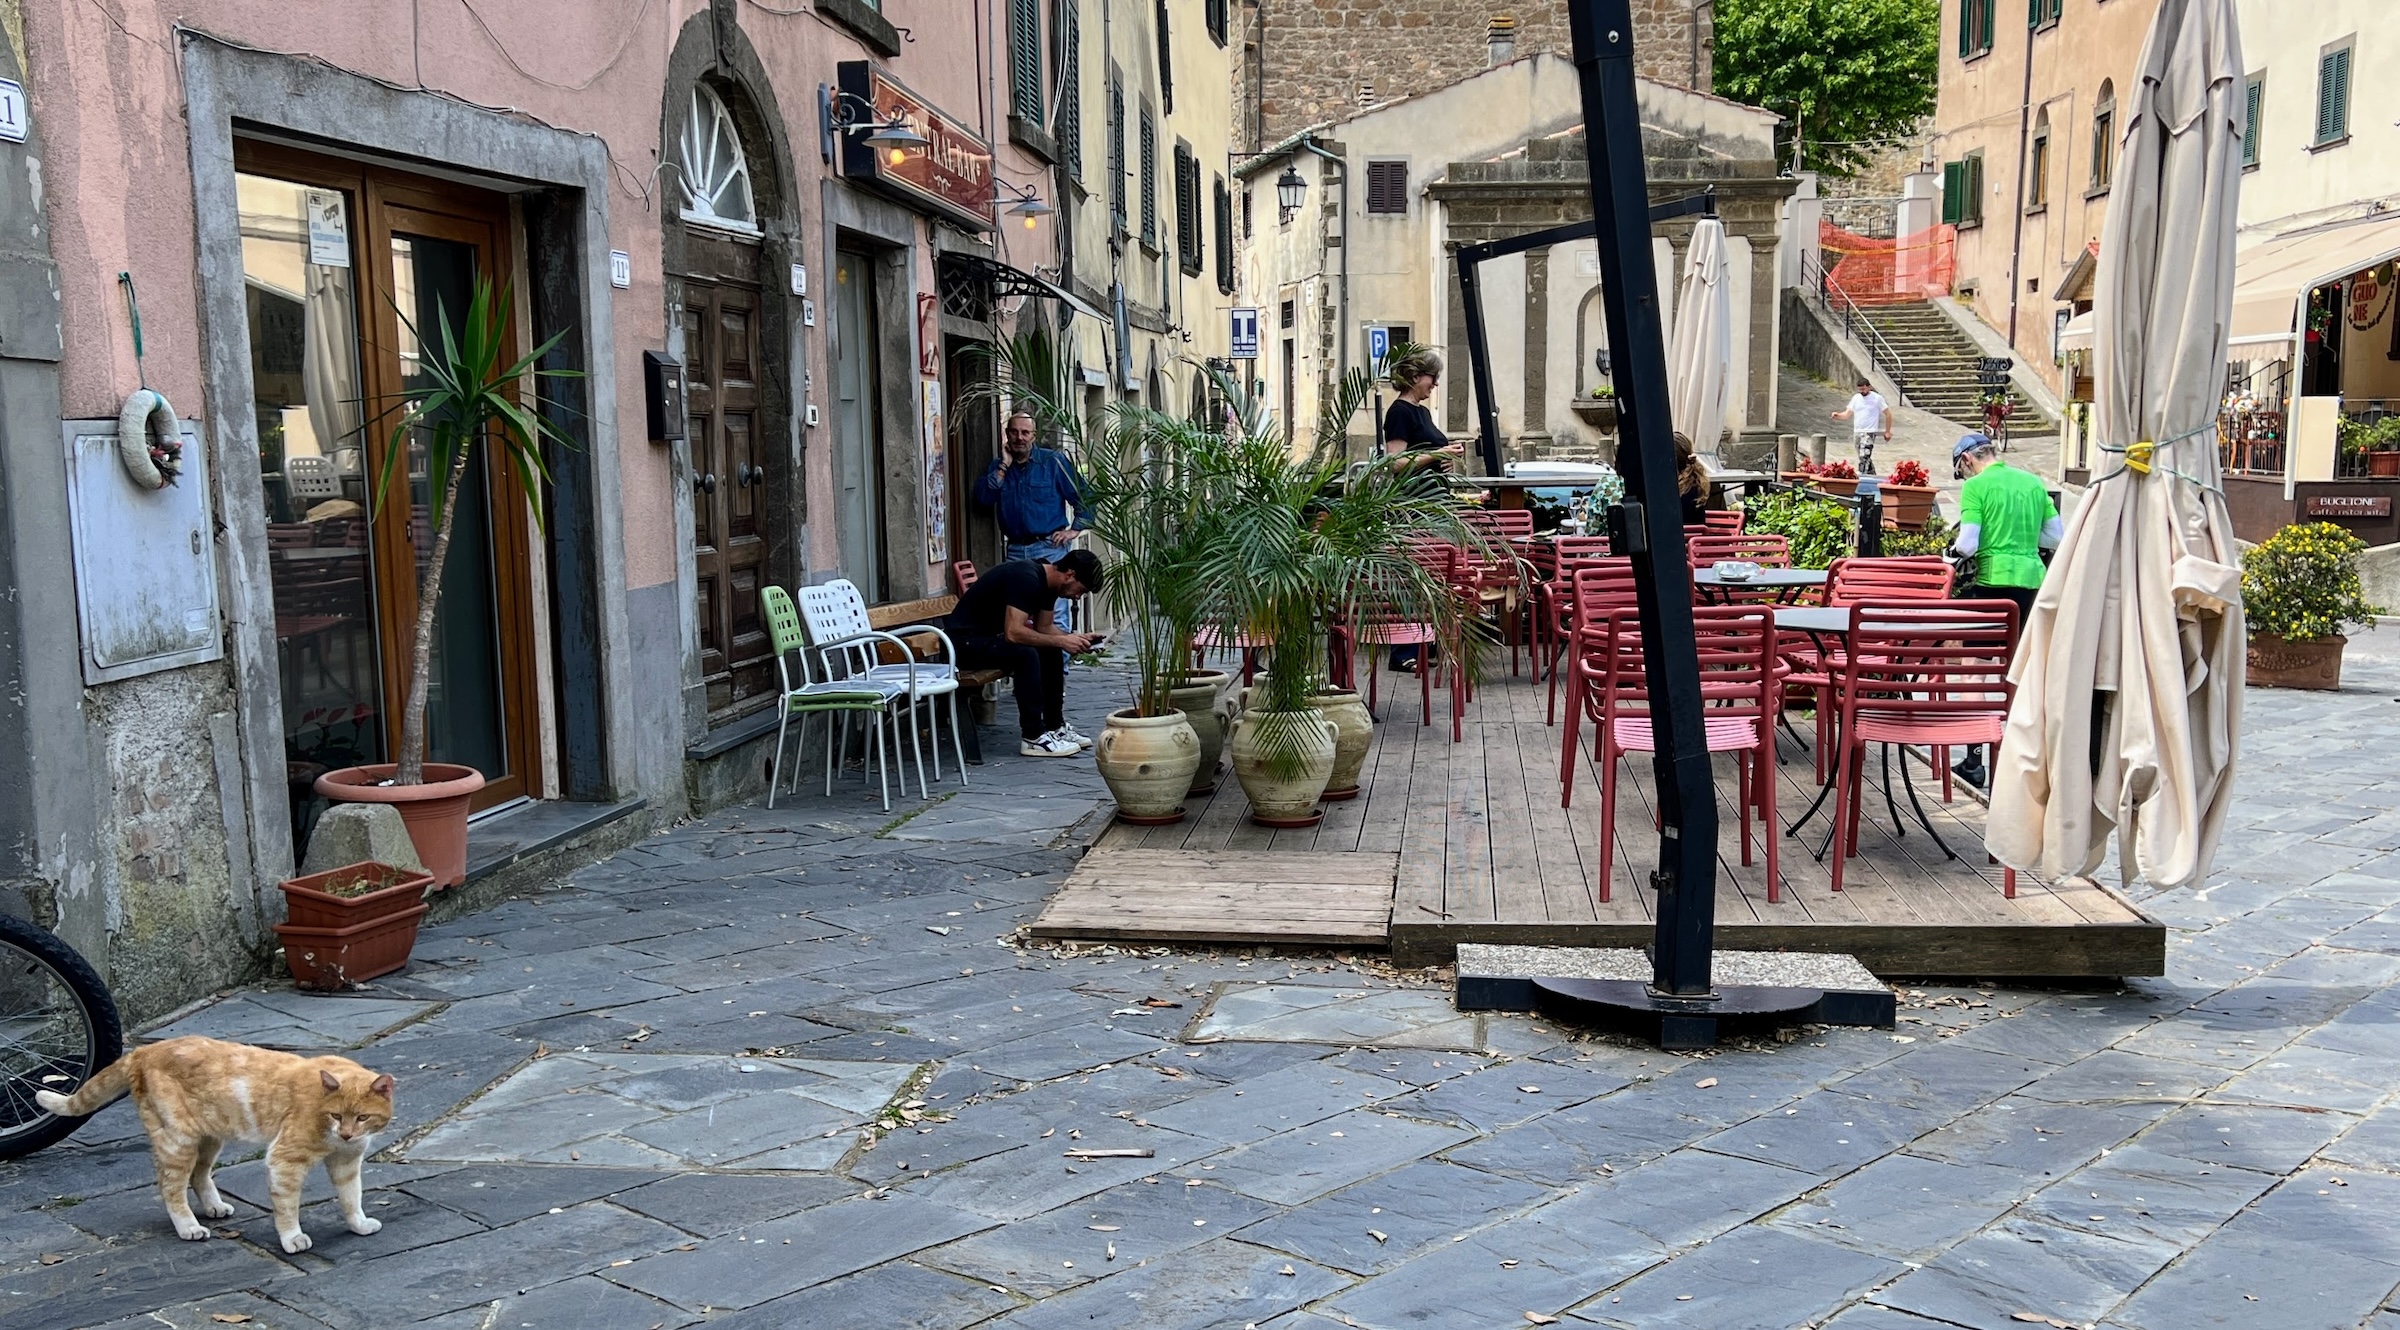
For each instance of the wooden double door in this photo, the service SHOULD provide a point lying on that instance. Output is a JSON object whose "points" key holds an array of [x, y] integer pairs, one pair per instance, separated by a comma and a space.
{"points": [[351, 270], [733, 517]]}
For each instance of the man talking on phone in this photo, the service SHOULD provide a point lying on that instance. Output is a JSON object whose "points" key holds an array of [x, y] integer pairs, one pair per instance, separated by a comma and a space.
{"points": [[1039, 495], [1007, 621]]}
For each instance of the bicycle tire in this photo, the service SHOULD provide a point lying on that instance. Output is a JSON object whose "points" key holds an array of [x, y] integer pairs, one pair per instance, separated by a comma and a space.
{"points": [[22, 943]]}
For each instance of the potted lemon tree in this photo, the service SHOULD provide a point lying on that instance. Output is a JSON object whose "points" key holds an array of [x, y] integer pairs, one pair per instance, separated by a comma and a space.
{"points": [[469, 394], [2300, 589]]}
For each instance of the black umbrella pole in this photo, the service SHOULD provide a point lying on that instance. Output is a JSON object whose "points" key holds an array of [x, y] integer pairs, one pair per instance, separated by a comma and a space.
{"points": [[1686, 878]]}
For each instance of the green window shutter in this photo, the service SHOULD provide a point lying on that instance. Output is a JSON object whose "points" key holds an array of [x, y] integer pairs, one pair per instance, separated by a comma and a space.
{"points": [[2333, 95], [1966, 28], [1149, 185], [1224, 237], [1116, 157], [1166, 64], [1025, 60], [1991, 9], [1971, 205], [2254, 98], [1067, 55], [2035, 12], [2058, 9], [1954, 188]]}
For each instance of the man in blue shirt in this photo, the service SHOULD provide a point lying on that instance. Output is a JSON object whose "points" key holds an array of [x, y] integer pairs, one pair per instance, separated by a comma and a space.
{"points": [[1040, 498]]}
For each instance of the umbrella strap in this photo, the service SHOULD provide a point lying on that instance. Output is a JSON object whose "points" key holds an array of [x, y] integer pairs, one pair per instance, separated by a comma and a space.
{"points": [[2142, 458]]}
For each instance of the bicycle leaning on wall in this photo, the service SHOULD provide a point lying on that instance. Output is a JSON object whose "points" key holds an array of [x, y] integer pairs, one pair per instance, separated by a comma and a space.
{"points": [[58, 1027]]}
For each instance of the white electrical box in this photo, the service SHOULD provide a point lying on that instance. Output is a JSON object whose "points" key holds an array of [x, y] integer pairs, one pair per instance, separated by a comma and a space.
{"points": [[145, 560]]}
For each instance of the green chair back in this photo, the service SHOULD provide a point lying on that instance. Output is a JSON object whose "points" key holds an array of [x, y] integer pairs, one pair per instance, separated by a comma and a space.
{"points": [[783, 619]]}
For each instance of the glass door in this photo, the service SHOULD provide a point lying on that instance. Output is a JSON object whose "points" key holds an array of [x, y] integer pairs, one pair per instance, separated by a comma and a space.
{"points": [[351, 271]]}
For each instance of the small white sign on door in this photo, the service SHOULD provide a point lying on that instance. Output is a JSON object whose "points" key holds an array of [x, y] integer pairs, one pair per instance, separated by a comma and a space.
{"points": [[620, 269], [15, 120], [328, 229]]}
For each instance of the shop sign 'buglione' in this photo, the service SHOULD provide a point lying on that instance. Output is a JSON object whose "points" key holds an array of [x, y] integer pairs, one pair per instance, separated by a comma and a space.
{"points": [[951, 172]]}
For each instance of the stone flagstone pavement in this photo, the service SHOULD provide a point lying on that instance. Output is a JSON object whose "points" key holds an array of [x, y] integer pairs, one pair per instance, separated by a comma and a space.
{"points": [[786, 1069]]}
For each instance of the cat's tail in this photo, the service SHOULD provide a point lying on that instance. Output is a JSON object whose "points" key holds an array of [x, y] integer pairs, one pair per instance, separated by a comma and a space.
{"points": [[97, 1093]]}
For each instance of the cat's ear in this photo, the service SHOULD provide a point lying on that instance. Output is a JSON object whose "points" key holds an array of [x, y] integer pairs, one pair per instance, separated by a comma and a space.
{"points": [[332, 1082], [382, 1086]]}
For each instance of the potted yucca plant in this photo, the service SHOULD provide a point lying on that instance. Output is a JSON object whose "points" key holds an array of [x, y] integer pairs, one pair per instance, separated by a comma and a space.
{"points": [[2300, 589], [468, 394]]}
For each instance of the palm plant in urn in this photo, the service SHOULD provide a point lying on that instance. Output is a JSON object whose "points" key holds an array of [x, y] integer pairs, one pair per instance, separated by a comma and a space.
{"points": [[1139, 498], [1289, 549], [2300, 589], [467, 392]]}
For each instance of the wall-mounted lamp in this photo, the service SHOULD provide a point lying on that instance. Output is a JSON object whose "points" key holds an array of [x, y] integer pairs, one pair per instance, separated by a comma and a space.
{"points": [[1021, 201], [1290, 191], [843, 112]]}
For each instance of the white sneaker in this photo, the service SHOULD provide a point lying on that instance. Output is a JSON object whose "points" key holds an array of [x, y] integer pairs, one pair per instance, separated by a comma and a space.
{"points": [[1052, 744], [1068, 733]]}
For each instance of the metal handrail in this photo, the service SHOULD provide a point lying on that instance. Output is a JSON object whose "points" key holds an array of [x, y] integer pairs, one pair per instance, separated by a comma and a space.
{"points": [[1855, 324]]}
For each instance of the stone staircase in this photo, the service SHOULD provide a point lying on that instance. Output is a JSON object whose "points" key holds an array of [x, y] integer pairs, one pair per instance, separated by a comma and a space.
{"points": [[1938, 366]]}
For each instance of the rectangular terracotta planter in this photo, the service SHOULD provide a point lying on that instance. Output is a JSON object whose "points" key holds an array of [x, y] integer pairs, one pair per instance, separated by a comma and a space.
{"points": [[2276, 663], [309, 905], [336, 958], [1907, 506]]}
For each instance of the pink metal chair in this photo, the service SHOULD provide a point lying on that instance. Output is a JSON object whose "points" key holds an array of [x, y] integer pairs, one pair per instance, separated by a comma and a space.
{"points": [[1381, 625], [1848, 582], [1740, 688], [1553, 606], [1595, 587], [1918, 672]]}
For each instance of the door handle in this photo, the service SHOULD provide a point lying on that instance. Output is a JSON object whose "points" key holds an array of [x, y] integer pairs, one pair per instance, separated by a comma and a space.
{"points": [[746, 475], [706, 484]]}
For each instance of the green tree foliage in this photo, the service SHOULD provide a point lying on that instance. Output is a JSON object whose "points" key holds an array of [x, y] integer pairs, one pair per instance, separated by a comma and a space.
{"points": [[1843, 72]]}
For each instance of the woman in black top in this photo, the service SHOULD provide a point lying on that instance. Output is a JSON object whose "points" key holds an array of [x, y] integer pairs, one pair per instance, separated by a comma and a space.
{"points": [[1408, 426], [1412, 441], [1691, 482]]}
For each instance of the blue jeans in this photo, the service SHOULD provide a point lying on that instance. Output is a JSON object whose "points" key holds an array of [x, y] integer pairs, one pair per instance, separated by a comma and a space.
{"points": [[1049, 551]]}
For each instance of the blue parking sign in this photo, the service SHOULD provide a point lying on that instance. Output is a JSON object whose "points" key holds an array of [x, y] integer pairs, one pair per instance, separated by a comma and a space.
{"points": [[1245, 334], [1379, 346]]}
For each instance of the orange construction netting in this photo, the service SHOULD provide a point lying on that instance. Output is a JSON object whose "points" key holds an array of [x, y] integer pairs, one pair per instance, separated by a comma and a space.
{"points": [[1874, 271]]}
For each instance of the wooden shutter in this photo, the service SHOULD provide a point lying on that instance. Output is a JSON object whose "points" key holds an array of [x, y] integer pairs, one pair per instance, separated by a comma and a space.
{"points": [[1971, 204], [1216, 21], [1166, 64], [1224, 199], [1116, 157], [1066, 56], [2254, 101], [1954, 181], [1387, 187], [1991, 9], [1149, 185], [1025, 60], [1188, 242], [2333, 95]]}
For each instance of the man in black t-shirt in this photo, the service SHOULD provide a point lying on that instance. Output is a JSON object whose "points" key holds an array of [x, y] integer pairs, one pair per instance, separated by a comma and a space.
{"points": [[1006, 622]]}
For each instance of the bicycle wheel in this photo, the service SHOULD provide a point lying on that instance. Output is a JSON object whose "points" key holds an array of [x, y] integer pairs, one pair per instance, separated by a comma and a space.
{"points": [[58, 1026]]}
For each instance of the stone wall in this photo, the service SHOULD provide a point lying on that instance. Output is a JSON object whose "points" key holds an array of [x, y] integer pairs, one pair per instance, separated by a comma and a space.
{"points": [[1868, 202], [1306, 62]]}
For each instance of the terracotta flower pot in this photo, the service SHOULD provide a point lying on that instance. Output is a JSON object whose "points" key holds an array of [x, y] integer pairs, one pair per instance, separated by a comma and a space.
{"points": [[1907, 506], [436, 811], [336, 941], [1834, 487], [2315, 663], [1353, 735], [2385, 462], [1148, 763], [1208, 705]]}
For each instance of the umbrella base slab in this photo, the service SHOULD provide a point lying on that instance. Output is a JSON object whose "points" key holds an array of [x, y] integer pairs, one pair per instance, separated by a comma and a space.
{"points": [[1609, 988]]}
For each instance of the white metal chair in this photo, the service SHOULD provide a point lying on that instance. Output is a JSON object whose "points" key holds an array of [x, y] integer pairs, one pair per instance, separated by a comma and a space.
{"points": [[926, 679], [311, 478], [834, 699], [846, 646]]}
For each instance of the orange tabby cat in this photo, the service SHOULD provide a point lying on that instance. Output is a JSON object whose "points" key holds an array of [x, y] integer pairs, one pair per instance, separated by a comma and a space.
{"points": [[197, 1095]]}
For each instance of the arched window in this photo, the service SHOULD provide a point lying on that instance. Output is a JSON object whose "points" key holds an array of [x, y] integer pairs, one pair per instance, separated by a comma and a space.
{"points": [[2104, 135], [716, 173]]}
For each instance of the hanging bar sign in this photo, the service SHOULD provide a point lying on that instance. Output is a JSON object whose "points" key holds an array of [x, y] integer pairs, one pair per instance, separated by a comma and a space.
{"points": [[951, 172]]}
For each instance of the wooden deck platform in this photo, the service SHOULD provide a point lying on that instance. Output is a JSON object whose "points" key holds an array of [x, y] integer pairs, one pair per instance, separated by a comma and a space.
{"points": [[1480, 851]]}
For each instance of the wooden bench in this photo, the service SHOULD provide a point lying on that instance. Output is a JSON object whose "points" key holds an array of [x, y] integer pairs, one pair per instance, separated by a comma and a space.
{"points": [[974, 686]]}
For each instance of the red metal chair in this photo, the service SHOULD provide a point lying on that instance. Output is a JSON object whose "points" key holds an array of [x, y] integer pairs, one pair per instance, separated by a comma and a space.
{"points": [[1380, 625], [1725, 521], [1553, 605], [1740, 689], [962, 576], [1847, 582], [1918, 672], [1504, 581], [1766, 551], [1593, 586]]}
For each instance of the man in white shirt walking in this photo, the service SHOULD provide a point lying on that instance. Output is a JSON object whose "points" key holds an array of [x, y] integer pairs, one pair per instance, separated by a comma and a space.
{"points": [[1870, 417]]}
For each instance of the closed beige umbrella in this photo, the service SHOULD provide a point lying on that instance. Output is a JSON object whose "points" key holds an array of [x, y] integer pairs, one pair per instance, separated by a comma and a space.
{"points": [[1703, 339], [2130, 674]]}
